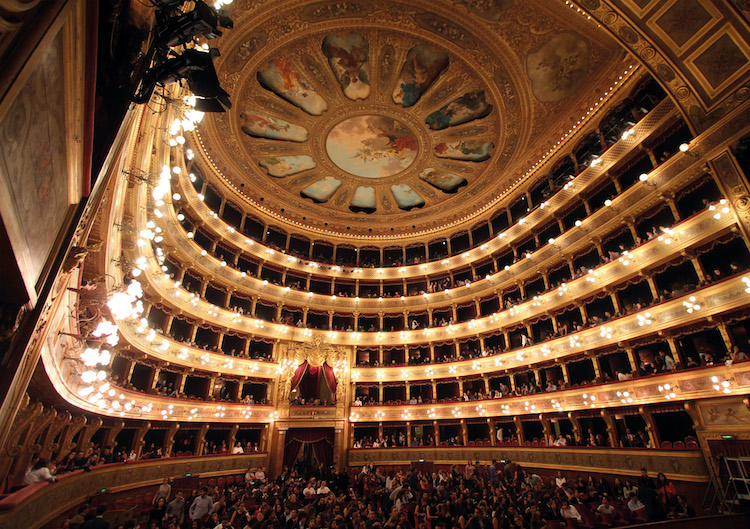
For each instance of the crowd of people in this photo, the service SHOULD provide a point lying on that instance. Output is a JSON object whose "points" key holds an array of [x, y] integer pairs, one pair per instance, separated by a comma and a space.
{"points": [[475, 496]]}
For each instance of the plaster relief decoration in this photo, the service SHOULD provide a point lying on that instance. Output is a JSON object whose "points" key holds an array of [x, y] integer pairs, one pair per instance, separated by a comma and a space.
{"points": [[420, 70], [322, 190], [263, 126], [364, 199], [559, 67], [471, 150], [724, 413], [442, 180], [721, 60], [406, 197], [316, 353], [683, 20], [348, 56], [468, 107], [492, 10], [281, 166], [281, 78], [371, 146]]}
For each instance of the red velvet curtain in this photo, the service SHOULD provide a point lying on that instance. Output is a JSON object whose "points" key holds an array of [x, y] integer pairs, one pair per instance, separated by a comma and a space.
{"points": [[291, 451], [320, 438], [330, 379], [301, 370], [309, 386]]}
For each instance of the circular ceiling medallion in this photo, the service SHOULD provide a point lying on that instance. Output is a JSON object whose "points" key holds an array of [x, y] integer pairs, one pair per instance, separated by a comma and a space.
{"points": [[372, 146], [372, 120]]}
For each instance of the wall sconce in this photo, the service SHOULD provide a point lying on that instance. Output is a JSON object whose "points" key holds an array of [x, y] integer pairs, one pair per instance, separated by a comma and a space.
{"points": [[685, 148], [644, 178], [608, 203]]}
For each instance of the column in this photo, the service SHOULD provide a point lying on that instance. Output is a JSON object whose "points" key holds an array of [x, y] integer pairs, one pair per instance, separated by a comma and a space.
{"points": [[138, 441], [211, 388], [725, 335], [200, 440], [634, 363], [464, 433], [653, 433], [597, 368], [676, 354], [232, 436], [565, 373], [652, 286], [546, 429], [169, 438], [576, 425], [436, 430], [698, 268], [614, 440], [179, 383], [669, 199], [519, 429]]}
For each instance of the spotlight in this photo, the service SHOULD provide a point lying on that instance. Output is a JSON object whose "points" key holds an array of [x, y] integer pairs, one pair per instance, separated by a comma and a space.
{"points": [[202, 20], [198, 68]]}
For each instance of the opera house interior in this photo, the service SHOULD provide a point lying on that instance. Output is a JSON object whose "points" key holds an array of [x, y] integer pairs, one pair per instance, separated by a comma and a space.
{"points": [[374, 263]]}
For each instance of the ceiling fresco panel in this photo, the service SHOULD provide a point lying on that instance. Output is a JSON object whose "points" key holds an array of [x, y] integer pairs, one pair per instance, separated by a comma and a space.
{"points": [[401, 113]]}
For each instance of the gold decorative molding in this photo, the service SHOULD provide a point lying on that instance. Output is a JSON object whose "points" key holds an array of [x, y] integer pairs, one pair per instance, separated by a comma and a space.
{"points": [[677, 465]]}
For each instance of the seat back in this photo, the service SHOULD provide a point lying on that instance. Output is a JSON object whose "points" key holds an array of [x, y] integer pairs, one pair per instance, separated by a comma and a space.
{"points": [[641, 515]]}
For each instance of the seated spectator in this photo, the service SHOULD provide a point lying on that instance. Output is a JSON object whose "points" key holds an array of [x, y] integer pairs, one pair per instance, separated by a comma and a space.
{"points": [[605, 507], [567, 511], [682, 509], [736, 356], [634, 503], [39, 472]]}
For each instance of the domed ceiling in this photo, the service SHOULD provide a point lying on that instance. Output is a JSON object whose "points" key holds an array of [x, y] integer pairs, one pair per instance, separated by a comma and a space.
{"points": [[375, 119]]}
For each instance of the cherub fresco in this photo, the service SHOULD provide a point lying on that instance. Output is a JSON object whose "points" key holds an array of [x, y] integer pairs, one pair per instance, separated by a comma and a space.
{"points": [[281, 166], [471, 150], [468, 107], [348, 56], [371, 146], [420, 70], [442, 180], [281, 77], [559, 67], [262, 126]]}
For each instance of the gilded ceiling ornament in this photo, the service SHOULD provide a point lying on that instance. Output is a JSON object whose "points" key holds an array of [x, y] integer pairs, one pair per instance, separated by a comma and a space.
{"points": [[316, 352], [492, 10], [348, 56]]}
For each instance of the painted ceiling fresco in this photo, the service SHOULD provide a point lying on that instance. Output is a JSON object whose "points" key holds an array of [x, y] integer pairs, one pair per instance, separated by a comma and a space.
{"points": [[386, 117]]}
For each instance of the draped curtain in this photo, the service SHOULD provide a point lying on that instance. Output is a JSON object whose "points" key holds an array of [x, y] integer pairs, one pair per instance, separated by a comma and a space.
{"points": [[308, 378], [298, 374], [330, 378], [320, 438]]}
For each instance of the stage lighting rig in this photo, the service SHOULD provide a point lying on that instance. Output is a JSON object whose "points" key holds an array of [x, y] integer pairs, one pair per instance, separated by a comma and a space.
{"points": [[197, 68], [177, 28]]}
